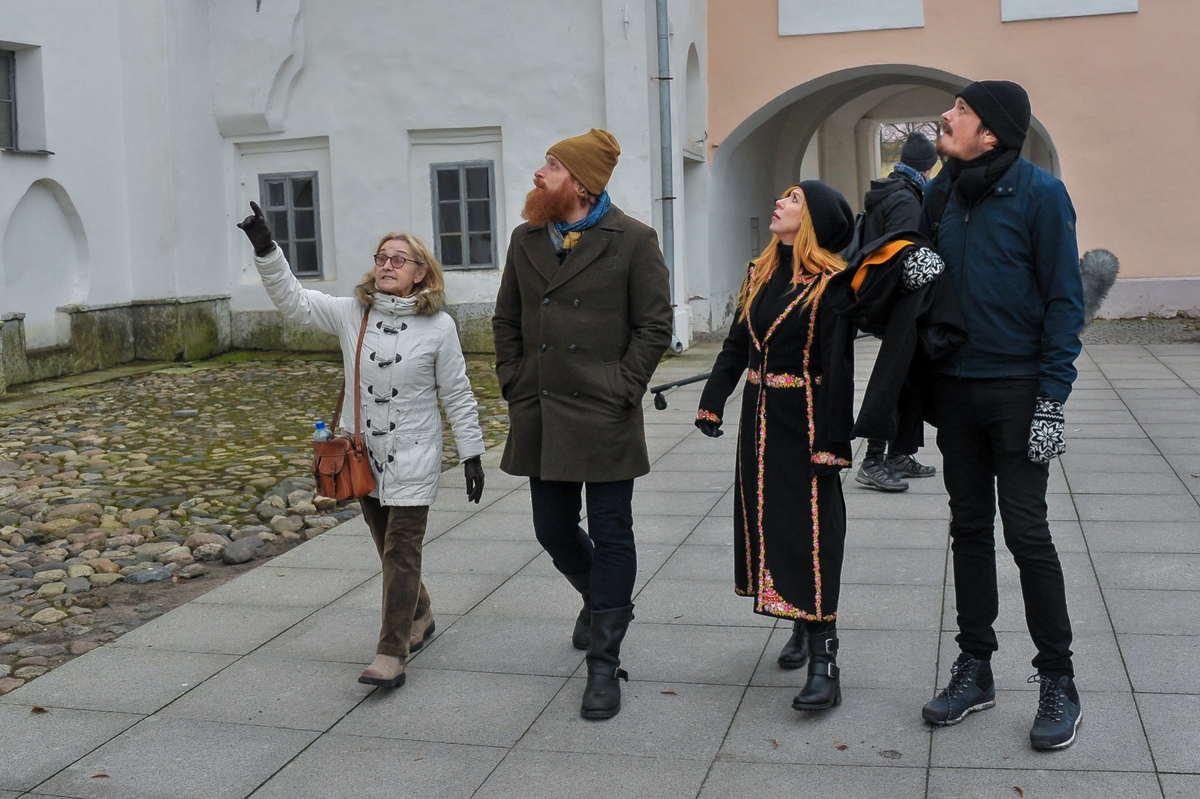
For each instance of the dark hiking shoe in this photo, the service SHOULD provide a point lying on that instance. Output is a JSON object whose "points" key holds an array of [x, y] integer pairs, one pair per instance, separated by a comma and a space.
{"points": [[964, 694], [908, 466], [875, 474], [1058, 713]]}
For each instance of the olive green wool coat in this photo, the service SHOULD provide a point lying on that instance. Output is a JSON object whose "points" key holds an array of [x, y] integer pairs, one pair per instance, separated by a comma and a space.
{"points": [[576, 345]]}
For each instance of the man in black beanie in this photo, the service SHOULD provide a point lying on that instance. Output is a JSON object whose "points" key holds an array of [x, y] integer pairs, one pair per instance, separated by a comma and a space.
{"points": [[894, 204], [1006, 231]]}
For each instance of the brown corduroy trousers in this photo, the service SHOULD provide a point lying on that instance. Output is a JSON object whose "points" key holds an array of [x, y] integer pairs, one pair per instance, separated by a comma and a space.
{"points": [[399, 532]]}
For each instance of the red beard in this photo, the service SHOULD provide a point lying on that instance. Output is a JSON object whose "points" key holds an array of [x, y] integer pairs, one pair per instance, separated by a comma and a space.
{"points": [[543, 207]]}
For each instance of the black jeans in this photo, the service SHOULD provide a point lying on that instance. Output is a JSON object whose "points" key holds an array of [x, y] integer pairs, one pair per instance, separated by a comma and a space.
{"points": [[983, 433], [607, 550]]}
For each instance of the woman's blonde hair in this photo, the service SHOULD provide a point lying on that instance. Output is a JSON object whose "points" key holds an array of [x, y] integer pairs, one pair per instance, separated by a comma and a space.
{"points": [[430, 290], [808, 258]]}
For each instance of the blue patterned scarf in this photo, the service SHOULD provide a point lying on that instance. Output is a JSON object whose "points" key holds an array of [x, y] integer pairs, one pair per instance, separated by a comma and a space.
{"points": [[564, 236], [905, 169]]}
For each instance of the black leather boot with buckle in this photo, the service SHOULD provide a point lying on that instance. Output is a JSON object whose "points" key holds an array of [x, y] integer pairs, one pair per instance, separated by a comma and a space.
{"points": [[795, 652], [602, 696], [823, 689], [582, 583]]}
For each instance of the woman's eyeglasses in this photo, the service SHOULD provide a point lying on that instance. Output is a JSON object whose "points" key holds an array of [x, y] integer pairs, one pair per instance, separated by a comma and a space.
{"points": [[398, 261]]}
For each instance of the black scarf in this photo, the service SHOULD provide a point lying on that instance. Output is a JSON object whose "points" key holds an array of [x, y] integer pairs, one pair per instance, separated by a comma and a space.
{"points": [[972, 179]]}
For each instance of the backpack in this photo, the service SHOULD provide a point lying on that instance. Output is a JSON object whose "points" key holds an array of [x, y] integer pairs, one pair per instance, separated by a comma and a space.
{"points": [[856, 243]]}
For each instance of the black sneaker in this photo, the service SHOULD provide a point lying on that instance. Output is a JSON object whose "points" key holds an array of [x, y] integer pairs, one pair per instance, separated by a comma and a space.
{"points": [[1058, 713], [963, 694], [908, 466], [874, 474]]}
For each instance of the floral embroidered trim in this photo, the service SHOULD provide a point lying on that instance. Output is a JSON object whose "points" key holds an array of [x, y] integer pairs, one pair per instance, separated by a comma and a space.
{"points": [[777, 380], [707, 416], [791, 307], [812, 436], [829, 459]]}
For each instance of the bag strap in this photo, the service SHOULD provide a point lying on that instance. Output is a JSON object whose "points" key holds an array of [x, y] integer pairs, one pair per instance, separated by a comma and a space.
{"points": [[937, 209], [337, 413]]}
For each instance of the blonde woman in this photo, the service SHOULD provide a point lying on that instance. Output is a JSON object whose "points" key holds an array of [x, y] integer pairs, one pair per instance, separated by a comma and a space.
{"points": [[411, 359]]}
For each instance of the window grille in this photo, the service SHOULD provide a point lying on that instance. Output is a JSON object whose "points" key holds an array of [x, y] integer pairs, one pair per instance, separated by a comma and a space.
{"points": [[464, 214], [290, 204]]}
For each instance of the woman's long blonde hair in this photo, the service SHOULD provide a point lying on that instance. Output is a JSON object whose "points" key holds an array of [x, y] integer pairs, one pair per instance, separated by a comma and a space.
{"points": [[430, 290], [808, 258]]}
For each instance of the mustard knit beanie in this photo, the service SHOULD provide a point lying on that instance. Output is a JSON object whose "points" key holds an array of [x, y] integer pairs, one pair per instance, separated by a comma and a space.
{"points": [[590, 158]]}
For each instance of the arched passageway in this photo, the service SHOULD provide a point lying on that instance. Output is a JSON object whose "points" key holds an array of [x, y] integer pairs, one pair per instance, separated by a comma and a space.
{"points": [[827, 129]]}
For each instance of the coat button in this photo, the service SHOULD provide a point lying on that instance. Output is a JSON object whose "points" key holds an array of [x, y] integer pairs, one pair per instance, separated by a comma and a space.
{"points": [[545, 300], [572, 348], [574, 303], [545, 393], [541, 348], [574, 395]]}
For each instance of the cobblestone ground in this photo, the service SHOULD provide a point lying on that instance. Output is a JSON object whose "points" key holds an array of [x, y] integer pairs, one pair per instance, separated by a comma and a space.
{"points": [[116, 499]]}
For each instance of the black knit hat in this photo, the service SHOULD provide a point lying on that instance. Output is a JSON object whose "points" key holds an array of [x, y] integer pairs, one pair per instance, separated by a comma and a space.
{"points": [[832, 219], [1003, 107], [918, 152]]}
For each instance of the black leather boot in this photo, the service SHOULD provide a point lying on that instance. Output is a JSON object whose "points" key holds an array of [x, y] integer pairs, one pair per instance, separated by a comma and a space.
{"points": [[602, 696], [582, 634], [795, 652], [822, 690]]}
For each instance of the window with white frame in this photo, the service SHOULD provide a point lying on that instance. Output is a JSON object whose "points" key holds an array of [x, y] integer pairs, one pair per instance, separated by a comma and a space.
{"points": [[8, 100], [464, 214], [290, 205]]}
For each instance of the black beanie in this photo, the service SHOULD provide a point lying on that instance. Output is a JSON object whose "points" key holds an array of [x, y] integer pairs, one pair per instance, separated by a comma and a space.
{"points": [[1003, 108], [918, 152], [832, 219]]}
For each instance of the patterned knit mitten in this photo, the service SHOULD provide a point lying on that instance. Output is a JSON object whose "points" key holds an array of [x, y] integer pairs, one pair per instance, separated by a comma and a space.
{"points": [[1048, 431], [920, 267]]}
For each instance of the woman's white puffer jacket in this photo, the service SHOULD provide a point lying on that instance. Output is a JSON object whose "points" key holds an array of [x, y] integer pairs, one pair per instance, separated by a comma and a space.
{"points": [[409, 362]]}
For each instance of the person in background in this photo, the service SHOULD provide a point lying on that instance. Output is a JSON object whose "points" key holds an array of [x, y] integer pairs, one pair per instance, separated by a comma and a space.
{"points": [[411, 359]]}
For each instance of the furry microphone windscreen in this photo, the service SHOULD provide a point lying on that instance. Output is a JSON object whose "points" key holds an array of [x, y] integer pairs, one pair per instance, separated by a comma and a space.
{"points": [[1099, 270]]}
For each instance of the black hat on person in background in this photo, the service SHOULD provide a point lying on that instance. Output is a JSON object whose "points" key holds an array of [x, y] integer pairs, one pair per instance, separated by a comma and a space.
{"points": [[1003, 107], [832, 219], [919, 152]]}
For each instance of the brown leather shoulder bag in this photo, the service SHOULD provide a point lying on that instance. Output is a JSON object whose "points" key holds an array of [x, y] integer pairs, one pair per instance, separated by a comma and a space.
{"points": [[342, 467]]}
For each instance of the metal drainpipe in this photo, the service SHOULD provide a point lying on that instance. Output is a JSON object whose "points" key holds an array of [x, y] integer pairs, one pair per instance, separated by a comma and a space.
{"points": [[667, 156]]}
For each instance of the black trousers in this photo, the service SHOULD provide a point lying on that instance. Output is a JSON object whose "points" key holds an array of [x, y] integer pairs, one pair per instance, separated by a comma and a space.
{"points": [[606, 550], [983, 433]]}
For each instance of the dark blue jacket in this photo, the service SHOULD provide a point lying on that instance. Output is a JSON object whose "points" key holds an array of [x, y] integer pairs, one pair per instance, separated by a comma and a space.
{"points": [[1014, 261]]}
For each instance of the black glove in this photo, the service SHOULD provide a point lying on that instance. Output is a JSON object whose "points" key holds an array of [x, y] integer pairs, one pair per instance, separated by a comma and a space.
{"points": [[473, 470], [256, 229], [1048, 431], [707, 426]]}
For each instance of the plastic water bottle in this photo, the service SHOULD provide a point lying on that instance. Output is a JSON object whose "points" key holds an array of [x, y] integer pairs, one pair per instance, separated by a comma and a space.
{"points": [[322, 433]]}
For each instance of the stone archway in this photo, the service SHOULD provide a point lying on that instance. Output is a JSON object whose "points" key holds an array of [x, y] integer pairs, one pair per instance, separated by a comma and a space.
{"points": [[818, 129]]}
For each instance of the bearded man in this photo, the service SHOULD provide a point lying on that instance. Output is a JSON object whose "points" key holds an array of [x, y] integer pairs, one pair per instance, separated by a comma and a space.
{"points": [[582, 318]]}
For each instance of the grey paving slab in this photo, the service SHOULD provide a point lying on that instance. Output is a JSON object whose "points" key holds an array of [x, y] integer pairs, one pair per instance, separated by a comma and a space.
{"points": [[867, 723], [1173, 572], [708, 603], [552, 775], [885, 659], [676, 653], [515, 501], [503, 644], [454, 707], [871, 566], [271, 689], [1177, 446], [1091, 445], [1075, 462], [548, 597], [352, 767], [455, 499], [136, 761], [120, 679], [51, 741], [1142, 536], [686, 723], [1180, 786], [272, 586], [1140, 508], [1170, 722], [712, 531], [1154, 612], [700, 563], [1110, 736], [451, 593], [338, 633], [701, 481], [898, 533], [670, 530], [673, 503], [681, 462], [1162, 663], [873, 505], [890, 607], [962, 783], [477, 556], [1124, 483], [353, 552], [220, 629], [495, 526], [727, 779]]}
